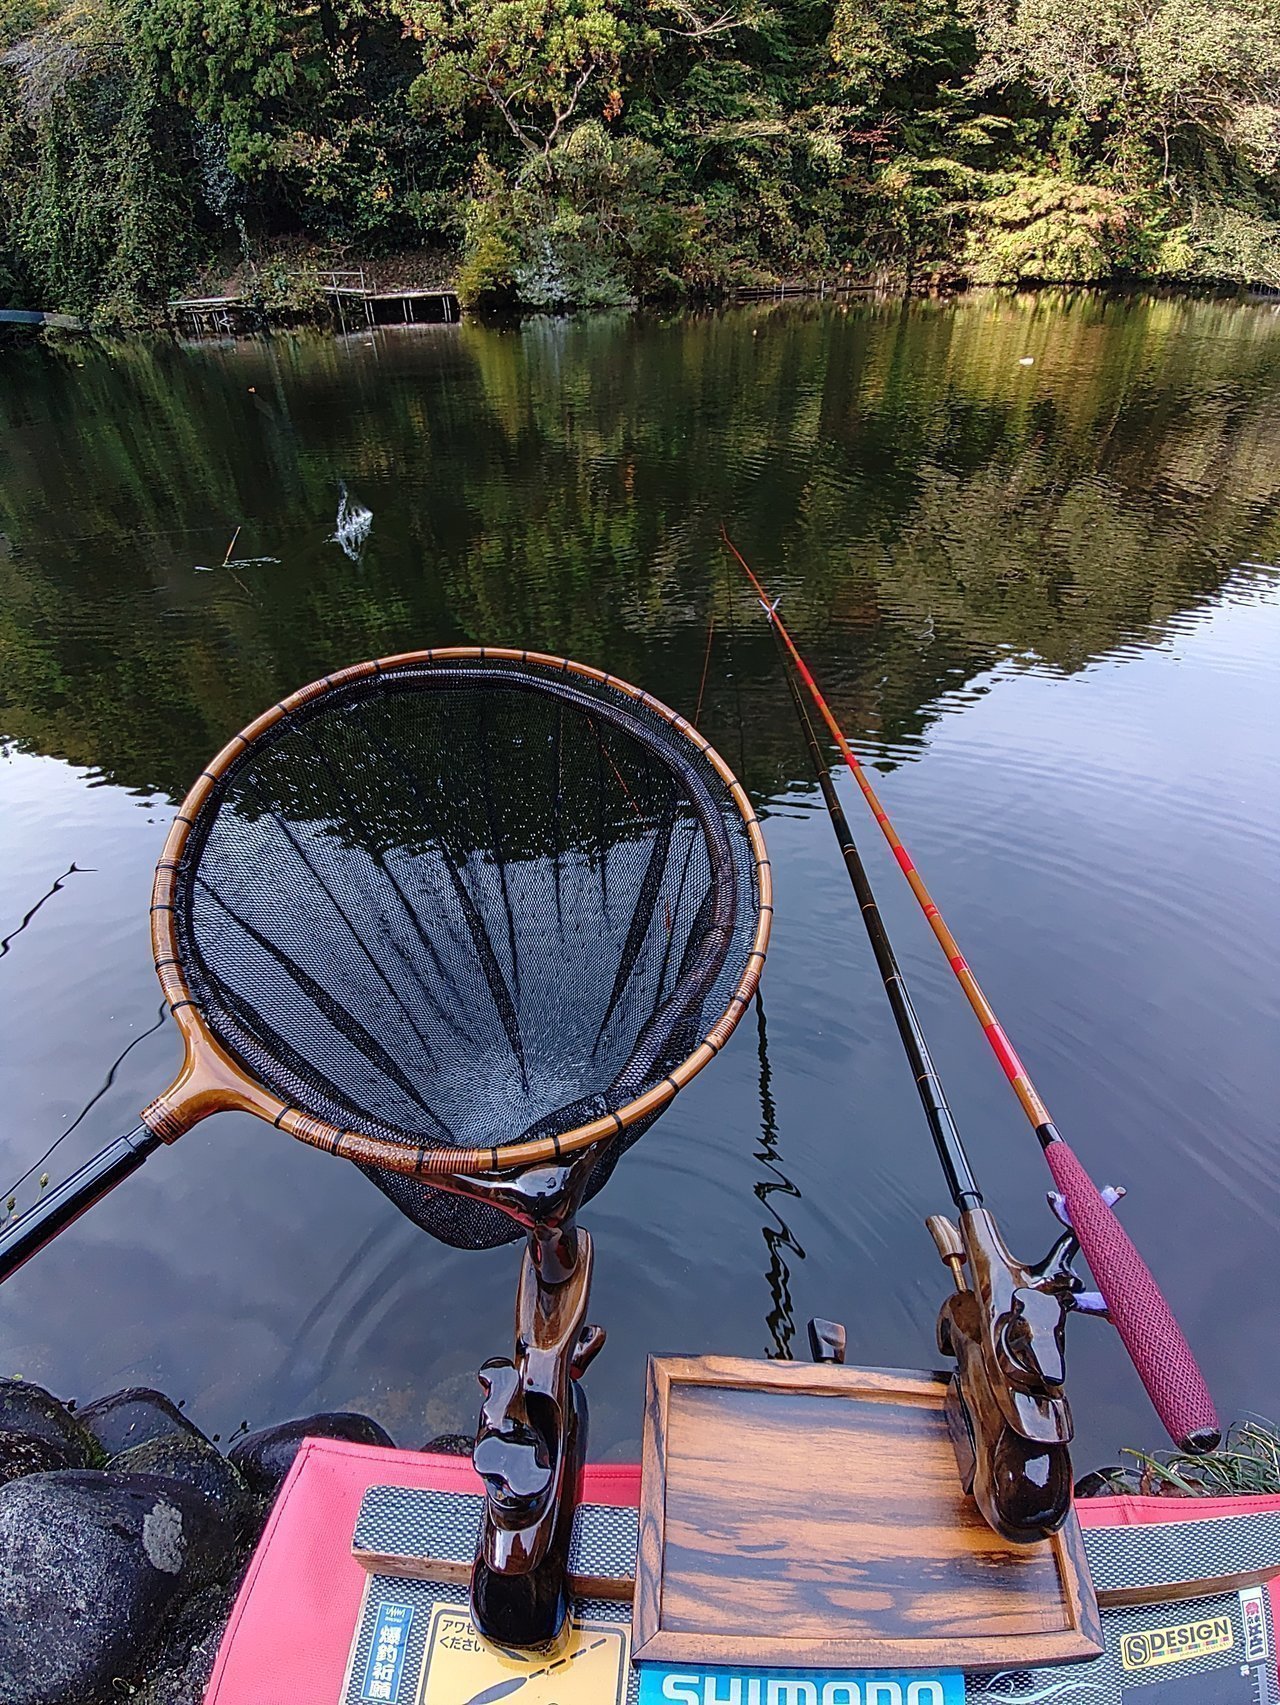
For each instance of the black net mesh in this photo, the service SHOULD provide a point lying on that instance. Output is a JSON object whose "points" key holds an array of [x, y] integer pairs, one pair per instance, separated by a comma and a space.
{"points": [[465, 903]]}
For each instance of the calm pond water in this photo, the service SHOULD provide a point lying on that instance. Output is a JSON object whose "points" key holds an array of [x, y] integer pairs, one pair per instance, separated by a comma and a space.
{"points": [[1026, 543]]}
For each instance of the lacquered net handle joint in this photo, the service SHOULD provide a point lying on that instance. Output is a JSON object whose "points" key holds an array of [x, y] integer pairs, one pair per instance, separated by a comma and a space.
{"points": [[1144, 1320]]}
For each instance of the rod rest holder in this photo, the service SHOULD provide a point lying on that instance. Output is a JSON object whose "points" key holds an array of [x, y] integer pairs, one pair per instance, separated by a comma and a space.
{"points": [[513, 1458], [514, 1455], [531, 1438], [1007, 1411]]}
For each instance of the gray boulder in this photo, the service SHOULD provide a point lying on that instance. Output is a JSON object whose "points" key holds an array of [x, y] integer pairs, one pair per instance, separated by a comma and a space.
{"points": [[193, 1460], [91, 1565], [30, 1409], [133, 1417], [265, 1457]]}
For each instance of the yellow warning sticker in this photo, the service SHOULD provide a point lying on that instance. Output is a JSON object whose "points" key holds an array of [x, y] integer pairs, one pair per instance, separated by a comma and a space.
{"points": [[1155, 1646], [587, 1667]]}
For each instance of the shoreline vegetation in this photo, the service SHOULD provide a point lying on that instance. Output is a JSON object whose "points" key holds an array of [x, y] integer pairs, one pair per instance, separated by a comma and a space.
{"points": [[554, 154]]}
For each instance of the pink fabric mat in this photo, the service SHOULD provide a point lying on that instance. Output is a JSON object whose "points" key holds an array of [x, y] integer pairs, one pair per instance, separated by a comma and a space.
{"points": [[1143, 1512], [289, 1634]]}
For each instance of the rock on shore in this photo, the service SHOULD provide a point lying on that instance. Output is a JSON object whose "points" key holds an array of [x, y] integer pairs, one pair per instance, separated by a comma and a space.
{"points": [[123, 1535]]}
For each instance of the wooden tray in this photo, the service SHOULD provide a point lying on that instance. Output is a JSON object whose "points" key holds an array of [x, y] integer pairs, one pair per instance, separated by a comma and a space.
{"points": [[796, 1515]]}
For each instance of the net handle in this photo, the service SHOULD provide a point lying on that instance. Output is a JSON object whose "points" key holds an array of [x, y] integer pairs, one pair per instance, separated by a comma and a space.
{"points": [[213, 1081]]}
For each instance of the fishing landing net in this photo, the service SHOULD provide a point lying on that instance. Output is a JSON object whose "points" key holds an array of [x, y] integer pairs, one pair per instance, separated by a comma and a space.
{"points": [[466, 901]]}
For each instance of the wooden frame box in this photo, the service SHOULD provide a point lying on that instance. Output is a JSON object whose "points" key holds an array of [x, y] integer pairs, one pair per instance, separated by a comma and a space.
{"points": [[811, 1516]]}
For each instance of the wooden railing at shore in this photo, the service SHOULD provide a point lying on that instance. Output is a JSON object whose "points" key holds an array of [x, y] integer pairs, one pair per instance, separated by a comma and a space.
{"points": [[352, 299]]}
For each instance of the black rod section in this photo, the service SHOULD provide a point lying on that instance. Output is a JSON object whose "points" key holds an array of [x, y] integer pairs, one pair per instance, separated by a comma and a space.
{"points": [[74, 1196], [942, 1126]]}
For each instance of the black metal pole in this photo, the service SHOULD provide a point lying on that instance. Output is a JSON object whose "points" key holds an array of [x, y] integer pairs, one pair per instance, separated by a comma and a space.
{"points": [[55, 1212], [946, 1136]]}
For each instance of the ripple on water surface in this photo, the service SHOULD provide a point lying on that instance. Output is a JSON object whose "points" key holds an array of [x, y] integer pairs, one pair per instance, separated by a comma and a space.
{"points": [[1042, 599]]}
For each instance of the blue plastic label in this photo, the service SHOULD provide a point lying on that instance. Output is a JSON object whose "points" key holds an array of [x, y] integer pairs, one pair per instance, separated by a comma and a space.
{"points": [[386, 1655], [688, 1685]]}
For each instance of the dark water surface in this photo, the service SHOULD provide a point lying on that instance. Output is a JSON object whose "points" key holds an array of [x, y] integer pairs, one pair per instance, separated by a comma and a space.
{"points": [[1040, 598]]}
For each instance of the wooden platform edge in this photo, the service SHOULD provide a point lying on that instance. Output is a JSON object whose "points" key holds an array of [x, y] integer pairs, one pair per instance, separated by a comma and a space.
{"points": [[453, 1573], [1174, 1592]]}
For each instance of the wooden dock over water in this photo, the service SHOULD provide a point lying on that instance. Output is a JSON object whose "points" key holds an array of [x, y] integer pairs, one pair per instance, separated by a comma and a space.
{"points": [[352, 300]]}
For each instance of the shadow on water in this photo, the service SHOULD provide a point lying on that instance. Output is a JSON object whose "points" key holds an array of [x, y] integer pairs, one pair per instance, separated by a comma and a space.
{"points": [[779, 1240]]}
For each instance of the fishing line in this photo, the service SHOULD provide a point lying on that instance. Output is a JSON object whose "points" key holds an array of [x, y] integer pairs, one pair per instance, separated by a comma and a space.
{"points": [[93, 1101]]}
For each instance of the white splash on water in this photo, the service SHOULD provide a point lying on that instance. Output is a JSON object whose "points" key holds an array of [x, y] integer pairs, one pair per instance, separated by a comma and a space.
{"points": [[354, 522]]}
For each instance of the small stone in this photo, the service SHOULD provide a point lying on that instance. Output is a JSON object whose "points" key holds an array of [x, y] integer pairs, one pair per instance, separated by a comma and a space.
{"points": [[134, 1417], [265, 1457], [194, 1461], [91, 1564], [30, 1409], [450, 1444]]}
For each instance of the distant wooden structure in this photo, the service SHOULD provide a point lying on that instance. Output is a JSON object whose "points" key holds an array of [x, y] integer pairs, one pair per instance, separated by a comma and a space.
{"points": [[842, 284], [354, 302], [38, 317], [202, 316]]}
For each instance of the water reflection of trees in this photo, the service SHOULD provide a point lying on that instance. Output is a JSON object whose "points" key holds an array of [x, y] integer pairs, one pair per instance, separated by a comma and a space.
{"points": [[927, 503]]}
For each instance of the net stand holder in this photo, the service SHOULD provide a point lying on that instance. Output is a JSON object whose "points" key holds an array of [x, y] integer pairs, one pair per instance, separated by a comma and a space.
{"points": [[531, 1441]]}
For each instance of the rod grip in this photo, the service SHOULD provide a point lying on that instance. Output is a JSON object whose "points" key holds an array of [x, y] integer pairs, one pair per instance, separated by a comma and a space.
{"points": [[1144, 1320], [65, 1203]]}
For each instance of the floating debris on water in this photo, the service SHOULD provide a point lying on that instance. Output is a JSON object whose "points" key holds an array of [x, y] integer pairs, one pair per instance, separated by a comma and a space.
{"points": [[229, 561], [234, 562], [353, 524]]}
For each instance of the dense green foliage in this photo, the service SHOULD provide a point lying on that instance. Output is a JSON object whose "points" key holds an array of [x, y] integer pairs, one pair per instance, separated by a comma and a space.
{"points": [[592, 151]]}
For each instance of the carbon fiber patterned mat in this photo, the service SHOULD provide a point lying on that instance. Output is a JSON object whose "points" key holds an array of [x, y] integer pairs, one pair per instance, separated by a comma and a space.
{"points": [[401, 1522], [1218, 1650]]}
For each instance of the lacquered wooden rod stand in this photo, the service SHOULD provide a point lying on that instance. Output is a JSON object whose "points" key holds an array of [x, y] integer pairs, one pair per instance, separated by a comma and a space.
{"points": [[531, 1442]]}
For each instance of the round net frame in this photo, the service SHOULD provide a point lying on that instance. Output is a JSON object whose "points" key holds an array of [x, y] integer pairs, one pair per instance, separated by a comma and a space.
{"points": [[456, 913]]}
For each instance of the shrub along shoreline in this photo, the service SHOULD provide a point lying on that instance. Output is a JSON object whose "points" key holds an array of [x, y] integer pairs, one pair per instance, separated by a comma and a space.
{"points": [[590, 153]]}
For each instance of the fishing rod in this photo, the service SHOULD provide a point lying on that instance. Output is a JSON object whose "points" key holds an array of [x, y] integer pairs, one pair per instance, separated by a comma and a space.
{"points": [[1146, 1324], [1006, 1405]]}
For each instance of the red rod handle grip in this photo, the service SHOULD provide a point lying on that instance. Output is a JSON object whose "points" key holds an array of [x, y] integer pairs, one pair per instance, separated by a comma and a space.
{"points": [[1138, 1310]]}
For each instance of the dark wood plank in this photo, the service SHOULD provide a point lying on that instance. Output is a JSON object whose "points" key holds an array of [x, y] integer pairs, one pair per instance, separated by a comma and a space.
{"points": [[793, 1513], [1171, 1592], [457, 1573]]}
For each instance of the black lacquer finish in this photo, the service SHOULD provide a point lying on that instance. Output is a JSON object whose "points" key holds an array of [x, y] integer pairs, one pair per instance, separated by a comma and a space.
{"points": [[531, 1439], [74, 1196]]}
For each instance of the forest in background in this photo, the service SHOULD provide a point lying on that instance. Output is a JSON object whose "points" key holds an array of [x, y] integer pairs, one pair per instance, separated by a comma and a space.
{"points": [[595, 152]]}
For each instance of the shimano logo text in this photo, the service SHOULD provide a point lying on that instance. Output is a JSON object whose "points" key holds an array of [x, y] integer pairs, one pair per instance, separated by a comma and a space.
{"points": [[769, 1690]]}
